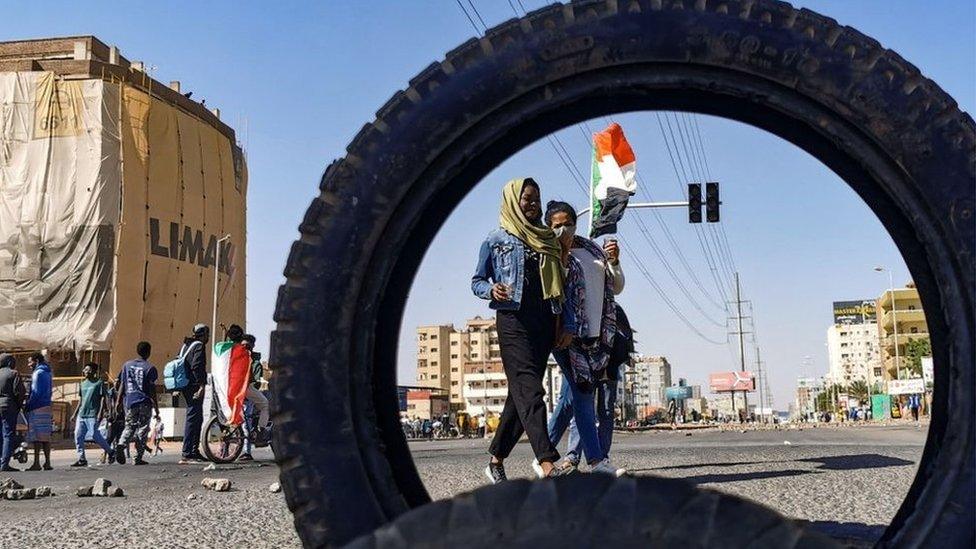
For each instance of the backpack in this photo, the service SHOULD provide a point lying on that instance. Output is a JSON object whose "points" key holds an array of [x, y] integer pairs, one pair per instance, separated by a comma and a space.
{"points": [[623, 344], [175, 376]]}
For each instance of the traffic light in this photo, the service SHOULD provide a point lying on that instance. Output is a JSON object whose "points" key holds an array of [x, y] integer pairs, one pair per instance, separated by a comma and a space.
{"points": [[694, 203], [711, 203]]}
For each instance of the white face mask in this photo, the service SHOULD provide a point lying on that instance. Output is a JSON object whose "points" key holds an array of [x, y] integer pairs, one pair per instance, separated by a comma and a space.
{"points": [[565, 230]]}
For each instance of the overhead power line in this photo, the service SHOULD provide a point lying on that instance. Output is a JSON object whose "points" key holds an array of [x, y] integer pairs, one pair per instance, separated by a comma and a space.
{"points": [[470, 20], [669, 236], [576, 175], [702, 241]]}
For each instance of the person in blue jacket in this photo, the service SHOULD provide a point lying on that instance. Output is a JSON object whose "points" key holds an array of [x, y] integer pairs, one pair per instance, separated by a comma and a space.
{"points": [[520, 272], [40, 419]]}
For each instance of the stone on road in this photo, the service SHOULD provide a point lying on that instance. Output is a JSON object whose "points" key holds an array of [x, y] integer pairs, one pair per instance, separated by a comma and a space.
{"points": [[216, 484], [17, 494], [847, 481], [101, 486]]}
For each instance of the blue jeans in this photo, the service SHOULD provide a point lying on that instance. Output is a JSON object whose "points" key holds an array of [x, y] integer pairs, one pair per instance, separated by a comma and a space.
{"points": [[83, 426], [574, 405], [248, 410], [8, 424], [606, 402]]}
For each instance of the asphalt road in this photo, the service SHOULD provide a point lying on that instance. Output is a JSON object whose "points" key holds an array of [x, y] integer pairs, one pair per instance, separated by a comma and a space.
{"points": [[847, 481], [155, 511]]}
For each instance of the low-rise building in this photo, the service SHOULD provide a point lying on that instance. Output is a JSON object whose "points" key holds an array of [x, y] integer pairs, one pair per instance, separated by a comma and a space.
{"points": [[484, 387], [651, 376], [425, 404], [807, 389], [721, 406]]}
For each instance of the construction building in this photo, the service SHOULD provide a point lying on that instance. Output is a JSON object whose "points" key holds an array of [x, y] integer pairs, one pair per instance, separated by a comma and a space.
{"points": [[118, 191]]}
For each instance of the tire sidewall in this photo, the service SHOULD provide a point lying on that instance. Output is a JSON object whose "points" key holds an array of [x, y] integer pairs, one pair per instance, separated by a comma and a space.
{"points": [[404, 174]]}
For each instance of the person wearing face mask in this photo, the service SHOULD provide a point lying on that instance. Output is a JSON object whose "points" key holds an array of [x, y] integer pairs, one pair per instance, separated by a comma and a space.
{"points": [[519, 270], [589, 325]]}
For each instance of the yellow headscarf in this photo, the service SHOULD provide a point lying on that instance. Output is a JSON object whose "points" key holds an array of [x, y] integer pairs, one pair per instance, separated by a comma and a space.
{"points": [[538, 237]]}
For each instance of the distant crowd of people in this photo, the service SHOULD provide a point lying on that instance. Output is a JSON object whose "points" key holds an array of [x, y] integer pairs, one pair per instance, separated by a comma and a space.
{"points": [[117, 414]]}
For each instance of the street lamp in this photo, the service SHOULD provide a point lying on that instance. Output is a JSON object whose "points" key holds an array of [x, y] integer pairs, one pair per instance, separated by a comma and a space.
{"points": [[894, 318], [213, 326], [867, 379]]}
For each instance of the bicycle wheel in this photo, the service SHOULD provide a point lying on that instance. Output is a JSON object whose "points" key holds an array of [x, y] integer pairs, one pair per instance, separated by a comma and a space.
{"points": [[222, 443]]}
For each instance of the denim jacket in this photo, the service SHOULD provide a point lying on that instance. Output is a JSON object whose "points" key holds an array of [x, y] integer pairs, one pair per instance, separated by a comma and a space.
{"points": [[502, 259]]}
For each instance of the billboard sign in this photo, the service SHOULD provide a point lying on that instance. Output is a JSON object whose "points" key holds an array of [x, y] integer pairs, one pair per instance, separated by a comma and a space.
{"points": [[928, 370], [853, 312], [680, 392], [731, 381], [906, 386]]}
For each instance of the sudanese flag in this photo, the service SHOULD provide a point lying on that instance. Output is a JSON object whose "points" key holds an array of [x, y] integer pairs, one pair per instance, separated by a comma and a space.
{"points": [[230, 369], [613, 179]]}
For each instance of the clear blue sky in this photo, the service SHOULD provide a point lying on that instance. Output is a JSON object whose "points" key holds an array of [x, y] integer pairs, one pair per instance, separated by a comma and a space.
{"points": [[307, 76]]}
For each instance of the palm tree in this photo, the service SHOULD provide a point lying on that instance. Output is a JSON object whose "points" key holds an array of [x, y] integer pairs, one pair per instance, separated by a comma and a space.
{"points": [[858, 390]]}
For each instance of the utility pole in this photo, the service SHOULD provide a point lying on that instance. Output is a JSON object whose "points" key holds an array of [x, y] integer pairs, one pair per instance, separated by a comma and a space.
{"points": [[742, 349], [762, 399], [768, 394]]}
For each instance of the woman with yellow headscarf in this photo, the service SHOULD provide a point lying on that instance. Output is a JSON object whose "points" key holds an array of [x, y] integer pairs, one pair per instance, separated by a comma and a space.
{"points": [[520, 271]]}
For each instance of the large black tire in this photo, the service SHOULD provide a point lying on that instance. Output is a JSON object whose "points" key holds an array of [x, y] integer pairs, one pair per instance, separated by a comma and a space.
{"points": [[591, 511], [894, 136]]}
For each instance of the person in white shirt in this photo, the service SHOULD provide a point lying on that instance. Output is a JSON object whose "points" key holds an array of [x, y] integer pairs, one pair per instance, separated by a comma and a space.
{"points": [[593, 278]]}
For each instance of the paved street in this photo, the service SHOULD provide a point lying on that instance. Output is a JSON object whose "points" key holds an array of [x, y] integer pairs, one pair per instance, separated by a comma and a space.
{"points": [[849, 480], [155, 509]]}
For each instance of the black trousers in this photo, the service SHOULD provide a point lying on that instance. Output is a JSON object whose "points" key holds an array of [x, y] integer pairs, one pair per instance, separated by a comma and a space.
{"points": [[526, 340], [194, 422]]}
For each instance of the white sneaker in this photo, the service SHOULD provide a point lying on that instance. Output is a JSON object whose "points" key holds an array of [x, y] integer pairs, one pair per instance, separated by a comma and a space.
{"points": [[538, 469], [607, 468]]}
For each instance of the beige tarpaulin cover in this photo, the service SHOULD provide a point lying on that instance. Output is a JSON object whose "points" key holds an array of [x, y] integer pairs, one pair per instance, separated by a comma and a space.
{"points": [[184, 188], [104, 244], [59, 210]]}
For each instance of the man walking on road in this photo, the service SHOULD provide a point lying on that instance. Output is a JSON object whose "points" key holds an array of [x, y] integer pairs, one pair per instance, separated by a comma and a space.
{"points": [[11, 399], [89, 413], [195, 354], [137, 391]]}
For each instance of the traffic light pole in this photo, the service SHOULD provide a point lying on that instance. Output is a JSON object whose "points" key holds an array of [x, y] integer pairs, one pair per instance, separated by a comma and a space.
{"points": [[585, 211], [694, 204]]}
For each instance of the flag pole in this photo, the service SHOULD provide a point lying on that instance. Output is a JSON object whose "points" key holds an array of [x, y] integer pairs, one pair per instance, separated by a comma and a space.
{"points": [[589, 228]]}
